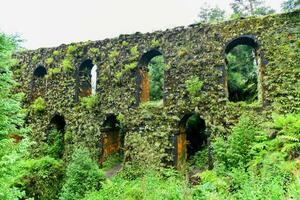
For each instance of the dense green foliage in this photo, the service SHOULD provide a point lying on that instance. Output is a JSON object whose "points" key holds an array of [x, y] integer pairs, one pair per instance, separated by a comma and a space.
{"points": [[10, 115], [11, 123], [250, 159], [83, 174], [54, 144], [242, 74], [153, 185], [43, 178], [235, 151], [156, 75], [249, 164], [208, 14], [290, 5], [243, 8]]}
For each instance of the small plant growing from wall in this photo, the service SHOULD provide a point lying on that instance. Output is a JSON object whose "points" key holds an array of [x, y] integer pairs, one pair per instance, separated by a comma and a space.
{"points": [[67, 64], [38, 106], [89, 102], [155, 43], [49, 61], [56, 53], [54, 145], [193, 85], [93, 51]]}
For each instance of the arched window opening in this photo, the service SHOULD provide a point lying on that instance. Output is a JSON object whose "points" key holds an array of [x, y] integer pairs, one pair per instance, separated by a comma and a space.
{"points": [[242, 62], [38, 86], [191, 139], [112, 140], [40, 71], [55, 137], [87, 78], [94, 79], [151, 76]]}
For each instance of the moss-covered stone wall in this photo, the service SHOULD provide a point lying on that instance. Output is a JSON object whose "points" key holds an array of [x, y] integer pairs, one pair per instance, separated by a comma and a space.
{"points": [[194, 51]]}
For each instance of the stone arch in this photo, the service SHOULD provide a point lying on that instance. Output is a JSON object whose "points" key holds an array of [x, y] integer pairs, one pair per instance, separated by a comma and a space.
{"points": [[58, 122], [87, 78], [38, 82], [55, 136], [112, 141], [190, 139], [143, 79], [251, 41]]}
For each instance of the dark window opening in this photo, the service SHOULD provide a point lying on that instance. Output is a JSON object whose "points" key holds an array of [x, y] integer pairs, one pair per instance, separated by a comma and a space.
{"points": [[151, 72], [191, 139], [242, 70], [40, 71], [55, 137], [87, 78]]}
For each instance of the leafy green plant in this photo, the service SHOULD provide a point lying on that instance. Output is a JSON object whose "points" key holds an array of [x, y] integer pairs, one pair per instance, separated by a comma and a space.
{"points": [[49, 61], [114, 54], [93, 51], [54, 145], [43, 178], [193, 85], [130, 66], [236, 151], [288, 132], [72, 49], [152, 185], [125, 43], [200, 159], [155, 43], [53, 71], [67, 64], [11, 123], [56, 53], [134, 51], [38, 106], [89, 102], [83, 175]]}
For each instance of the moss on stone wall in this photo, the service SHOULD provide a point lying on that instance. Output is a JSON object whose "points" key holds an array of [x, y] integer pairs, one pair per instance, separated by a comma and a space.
{"points": [[197, 50]]}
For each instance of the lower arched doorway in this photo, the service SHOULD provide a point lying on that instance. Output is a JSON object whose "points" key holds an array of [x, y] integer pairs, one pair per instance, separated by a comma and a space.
{"points": [[190, 139], [55, 136], [112, 139]]}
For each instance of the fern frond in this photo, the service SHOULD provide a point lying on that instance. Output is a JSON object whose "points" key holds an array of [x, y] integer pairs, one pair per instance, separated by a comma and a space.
{"points": [[289, 138]]}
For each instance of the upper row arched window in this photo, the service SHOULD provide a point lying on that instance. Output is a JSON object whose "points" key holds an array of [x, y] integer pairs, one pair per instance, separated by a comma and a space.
{"points": [[87, 76], [244, 70], [150, 81], [40, 71]]}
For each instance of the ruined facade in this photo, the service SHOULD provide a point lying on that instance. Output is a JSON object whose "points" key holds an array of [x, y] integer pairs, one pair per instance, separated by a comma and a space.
{"points": [[120, 118]]}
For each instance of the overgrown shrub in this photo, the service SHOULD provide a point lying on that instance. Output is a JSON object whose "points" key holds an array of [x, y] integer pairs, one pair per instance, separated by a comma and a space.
{"points": [[54, 145], [193, 85], [152, 185], [288, 132], [83, 175], [89, 102], [38, 106], [235, 151], [43, 178]]}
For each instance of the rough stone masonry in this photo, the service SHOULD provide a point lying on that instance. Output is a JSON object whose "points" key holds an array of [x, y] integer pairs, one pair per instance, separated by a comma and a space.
{"points": [[150, 133]]}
